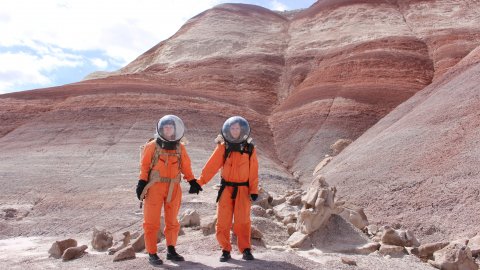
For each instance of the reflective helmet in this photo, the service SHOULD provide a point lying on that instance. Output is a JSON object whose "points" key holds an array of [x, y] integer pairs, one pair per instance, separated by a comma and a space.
{"points": [[236, 129], [170, 128]]}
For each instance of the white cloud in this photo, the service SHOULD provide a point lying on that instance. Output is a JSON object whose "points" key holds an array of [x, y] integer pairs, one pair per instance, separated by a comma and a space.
{"points": [[19, 68], [123, 29], [99, 63], [276, 5]]}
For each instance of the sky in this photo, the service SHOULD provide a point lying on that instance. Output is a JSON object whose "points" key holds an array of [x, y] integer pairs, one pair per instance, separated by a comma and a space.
{"points": [[55, 42]]}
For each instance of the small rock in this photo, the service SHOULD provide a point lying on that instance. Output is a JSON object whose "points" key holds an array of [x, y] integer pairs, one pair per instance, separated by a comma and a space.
{"points": [[367, 248], [474, 245], [426, 251], [296, 239], [120, 244], [57, 248], [102, 239], [339, 145], [258, 211], [190, 218], [348, 261], [255, 233], [139, 243], [291, 228], [453, 257], [391, 250], [270, 212], [208, 225], [125, 254], [74, 252]]}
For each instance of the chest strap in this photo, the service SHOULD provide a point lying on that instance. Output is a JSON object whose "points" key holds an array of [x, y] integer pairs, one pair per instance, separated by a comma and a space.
{"points": [[155, 178]]}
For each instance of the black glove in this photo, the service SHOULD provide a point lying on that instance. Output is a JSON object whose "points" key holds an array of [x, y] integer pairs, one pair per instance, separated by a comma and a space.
{"points": [[254, 197], [140, 186], [194, 187]]}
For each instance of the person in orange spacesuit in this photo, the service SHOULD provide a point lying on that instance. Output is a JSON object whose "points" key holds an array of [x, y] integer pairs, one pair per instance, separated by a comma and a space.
{"points": [[236, 156], [162, 163]]}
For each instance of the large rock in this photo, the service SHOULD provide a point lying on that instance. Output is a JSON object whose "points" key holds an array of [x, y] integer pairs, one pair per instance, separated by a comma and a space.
{"points": [[58, 247], [318, 206], [453, 257]]}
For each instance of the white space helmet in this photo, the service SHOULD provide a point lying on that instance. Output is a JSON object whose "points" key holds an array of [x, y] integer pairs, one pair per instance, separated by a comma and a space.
{"points": [[170, 128], [236, 129]]}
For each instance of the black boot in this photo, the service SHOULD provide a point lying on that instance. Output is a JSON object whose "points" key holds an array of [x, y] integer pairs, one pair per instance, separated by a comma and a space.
{"points": [[247, 255], [154, 259], [173, 255], [225, 256]]}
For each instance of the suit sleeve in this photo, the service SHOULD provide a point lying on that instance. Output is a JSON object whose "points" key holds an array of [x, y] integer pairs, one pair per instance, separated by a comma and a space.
{"points": [[214, 163], [253, 174], [146, 161], [186, 164]]}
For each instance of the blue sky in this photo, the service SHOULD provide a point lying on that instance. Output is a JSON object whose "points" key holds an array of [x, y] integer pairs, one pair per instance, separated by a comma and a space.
{"points": [[54, 42]]}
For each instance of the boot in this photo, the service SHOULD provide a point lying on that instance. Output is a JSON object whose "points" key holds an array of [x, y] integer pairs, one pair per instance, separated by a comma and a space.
{"points": [[225, 256], [173, 255], [154, 259], [247, 255]]}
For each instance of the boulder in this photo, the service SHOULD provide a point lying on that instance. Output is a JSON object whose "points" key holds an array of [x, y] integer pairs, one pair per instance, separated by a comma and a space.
{"points": [[453, 257], [74, 252], [318, 206], [58, 247]]}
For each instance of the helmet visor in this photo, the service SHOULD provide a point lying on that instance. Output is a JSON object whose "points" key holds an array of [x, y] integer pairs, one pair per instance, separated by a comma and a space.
{"points": [[236, 129], [170, 128]]}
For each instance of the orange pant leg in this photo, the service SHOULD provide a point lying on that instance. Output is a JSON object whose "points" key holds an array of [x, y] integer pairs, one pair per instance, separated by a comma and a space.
{"points": [[224, 219], [172, 226], [242, 222], [151, 216]]}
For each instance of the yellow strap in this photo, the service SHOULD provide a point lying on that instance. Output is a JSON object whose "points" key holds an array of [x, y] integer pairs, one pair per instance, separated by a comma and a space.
{"points": [[155, 178]]}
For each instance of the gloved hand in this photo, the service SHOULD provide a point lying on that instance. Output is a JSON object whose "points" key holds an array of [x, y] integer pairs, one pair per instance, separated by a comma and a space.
{"points": [[194, 187], [140, 186], [254, 197]]}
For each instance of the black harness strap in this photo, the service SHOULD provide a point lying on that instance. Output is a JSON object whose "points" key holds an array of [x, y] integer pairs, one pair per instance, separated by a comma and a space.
{"points": [[235, 186]]}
